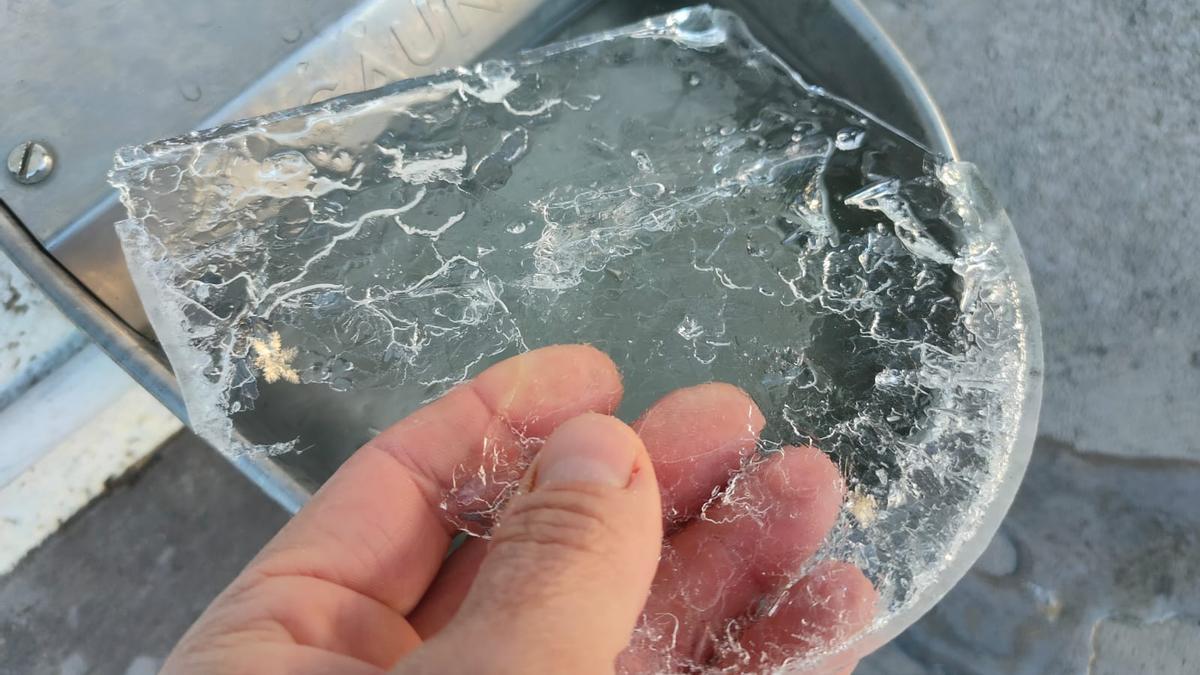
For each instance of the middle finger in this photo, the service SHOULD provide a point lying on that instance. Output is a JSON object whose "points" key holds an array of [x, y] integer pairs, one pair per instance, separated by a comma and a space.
{"points": [[745, 547]]}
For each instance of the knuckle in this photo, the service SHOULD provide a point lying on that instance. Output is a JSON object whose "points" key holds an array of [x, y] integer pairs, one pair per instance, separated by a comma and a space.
{"points": [[557, 522], [548, 544]]}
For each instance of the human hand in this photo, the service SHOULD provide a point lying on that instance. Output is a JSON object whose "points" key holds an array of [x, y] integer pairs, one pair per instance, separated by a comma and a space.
{"points": [[358, 582]]}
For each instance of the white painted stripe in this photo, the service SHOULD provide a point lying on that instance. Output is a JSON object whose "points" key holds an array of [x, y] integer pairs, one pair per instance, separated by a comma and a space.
{"points": [[85, 424], [49, 412]]}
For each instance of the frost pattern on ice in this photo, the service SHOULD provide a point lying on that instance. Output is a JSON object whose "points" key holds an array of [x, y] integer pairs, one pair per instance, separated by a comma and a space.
{"points": [[671, 193]]}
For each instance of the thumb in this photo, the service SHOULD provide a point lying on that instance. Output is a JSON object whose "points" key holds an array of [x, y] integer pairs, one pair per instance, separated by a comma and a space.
{"points": [[570, 564]]}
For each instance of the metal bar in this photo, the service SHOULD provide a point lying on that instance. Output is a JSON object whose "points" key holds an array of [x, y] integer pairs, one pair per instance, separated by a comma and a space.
{"points": [[143, 360]]}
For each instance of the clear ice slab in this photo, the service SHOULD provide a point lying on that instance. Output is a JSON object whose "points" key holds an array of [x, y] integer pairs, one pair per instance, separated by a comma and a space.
{"points": [[671, 193]]}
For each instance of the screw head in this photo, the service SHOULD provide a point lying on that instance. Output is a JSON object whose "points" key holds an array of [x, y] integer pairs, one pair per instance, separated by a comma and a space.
{"points": [[30, 162]]}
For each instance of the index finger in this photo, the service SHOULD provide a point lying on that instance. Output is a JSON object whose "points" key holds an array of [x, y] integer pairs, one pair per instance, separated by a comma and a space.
{"points": [[376, 526]]}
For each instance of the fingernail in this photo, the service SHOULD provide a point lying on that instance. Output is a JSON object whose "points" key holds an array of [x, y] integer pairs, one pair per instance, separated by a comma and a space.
{"points": [[591, 448]]}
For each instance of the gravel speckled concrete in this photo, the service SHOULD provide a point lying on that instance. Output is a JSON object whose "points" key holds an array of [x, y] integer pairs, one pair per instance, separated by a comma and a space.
{"points": [[1085, 116], [1098, 561]]}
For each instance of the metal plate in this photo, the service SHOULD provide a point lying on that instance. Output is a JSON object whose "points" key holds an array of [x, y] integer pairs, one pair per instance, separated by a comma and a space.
{"points": [[90, 76]]}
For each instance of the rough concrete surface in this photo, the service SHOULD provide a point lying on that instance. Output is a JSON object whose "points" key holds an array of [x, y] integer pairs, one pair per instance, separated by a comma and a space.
{"points": [[1098, 562], [1086, 118], [118, 585]]}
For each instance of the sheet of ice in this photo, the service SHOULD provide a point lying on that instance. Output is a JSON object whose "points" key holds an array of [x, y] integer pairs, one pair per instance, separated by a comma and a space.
{"points": [[671, 193]]}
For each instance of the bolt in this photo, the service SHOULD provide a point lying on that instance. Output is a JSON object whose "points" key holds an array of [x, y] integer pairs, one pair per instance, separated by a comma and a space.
{"points": [[30, 162]]}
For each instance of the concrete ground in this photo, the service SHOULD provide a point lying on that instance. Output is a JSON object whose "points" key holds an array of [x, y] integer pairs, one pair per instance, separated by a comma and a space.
{"points": [[114, 589], [1086, 118]]}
